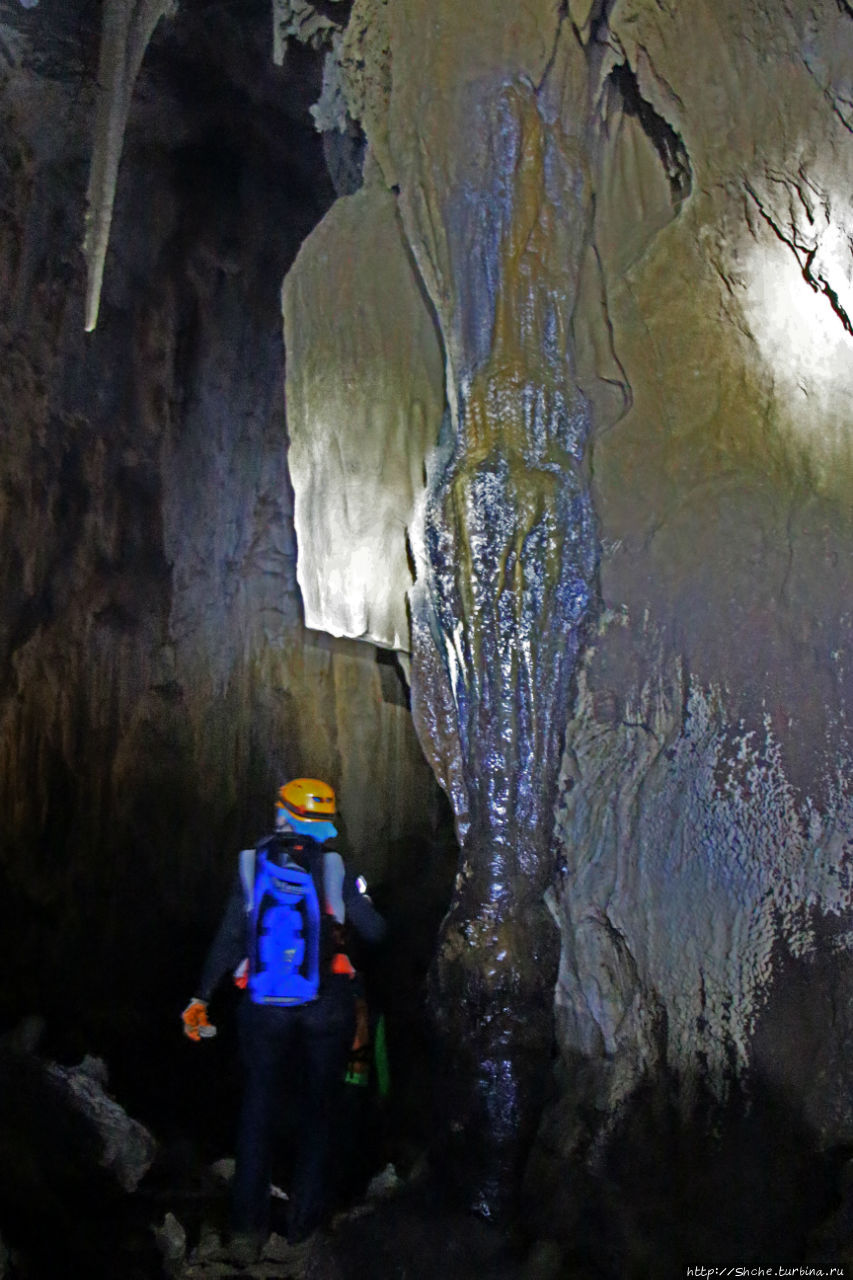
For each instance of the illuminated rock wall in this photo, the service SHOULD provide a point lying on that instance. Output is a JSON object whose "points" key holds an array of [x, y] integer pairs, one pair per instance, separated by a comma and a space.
{"points": [[632, 225], [713, 707]]}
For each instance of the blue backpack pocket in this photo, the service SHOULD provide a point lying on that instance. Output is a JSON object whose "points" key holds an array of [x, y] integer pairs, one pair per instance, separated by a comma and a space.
{"points": [[284, 934]]}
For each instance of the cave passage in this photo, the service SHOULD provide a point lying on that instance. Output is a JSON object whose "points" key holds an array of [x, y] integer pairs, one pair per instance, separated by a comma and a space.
{"points": [[148, 547], [313, 316]]}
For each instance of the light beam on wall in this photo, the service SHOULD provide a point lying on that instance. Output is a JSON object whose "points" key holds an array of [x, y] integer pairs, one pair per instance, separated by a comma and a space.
{"points": [[365, 397], [798, 304]]}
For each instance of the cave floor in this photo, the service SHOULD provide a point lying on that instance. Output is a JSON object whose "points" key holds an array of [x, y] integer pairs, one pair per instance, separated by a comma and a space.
{"points": [[399, 1233]]}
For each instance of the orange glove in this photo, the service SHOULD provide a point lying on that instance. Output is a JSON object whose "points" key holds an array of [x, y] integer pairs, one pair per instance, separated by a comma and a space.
{"points": [[194, 1018]]}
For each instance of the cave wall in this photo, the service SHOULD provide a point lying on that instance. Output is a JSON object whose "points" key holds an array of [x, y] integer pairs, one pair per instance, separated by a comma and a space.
{"points": [[159, 680], [630, 222], [717, 688]]}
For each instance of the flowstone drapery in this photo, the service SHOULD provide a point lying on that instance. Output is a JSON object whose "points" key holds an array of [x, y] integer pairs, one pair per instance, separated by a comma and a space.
{"points": [[364, 400]]}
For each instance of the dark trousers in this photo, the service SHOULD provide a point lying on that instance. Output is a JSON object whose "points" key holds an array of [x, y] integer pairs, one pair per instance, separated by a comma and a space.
{"points": [[294, 1059]]}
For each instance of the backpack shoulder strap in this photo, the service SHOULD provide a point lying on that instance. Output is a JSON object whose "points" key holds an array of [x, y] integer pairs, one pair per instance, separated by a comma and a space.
{"points": [[333, 885], [314, 867], [247, 876]]}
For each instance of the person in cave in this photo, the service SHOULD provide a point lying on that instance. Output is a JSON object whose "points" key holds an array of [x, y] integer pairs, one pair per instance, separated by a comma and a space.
{"points": [[284, 935]]}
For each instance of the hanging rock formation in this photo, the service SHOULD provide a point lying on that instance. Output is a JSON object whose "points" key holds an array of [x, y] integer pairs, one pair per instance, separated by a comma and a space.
{"points": [[365, 398], [127, 28]]}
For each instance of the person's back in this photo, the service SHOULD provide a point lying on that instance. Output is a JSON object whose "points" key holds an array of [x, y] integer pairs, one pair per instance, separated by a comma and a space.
{"points": [[283, 932]]}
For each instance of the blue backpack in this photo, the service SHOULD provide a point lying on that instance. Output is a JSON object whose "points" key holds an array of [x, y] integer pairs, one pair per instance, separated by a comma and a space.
{"points": [[284, 924]]}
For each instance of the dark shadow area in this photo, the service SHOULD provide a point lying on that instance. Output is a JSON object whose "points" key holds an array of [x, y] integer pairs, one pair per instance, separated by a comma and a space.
{"points": [[187, 1095], [669, 145], [740, 1183], [62, 1213]]}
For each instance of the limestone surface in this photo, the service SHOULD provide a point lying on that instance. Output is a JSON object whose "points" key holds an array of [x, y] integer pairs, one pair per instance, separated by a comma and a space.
{"points": [[632, 224]]}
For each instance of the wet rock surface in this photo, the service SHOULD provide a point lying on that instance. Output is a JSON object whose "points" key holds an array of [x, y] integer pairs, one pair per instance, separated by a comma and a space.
{"points": [[637, 254]]}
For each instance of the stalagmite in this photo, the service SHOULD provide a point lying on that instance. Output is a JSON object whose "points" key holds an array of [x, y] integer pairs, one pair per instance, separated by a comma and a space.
{"points": [[127, 27]]}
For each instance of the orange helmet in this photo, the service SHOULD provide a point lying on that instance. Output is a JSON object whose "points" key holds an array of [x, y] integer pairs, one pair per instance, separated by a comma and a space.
{"points": [[308, 805]]}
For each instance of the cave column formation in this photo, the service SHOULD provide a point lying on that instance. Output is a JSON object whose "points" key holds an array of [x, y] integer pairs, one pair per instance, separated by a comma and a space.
{"points": [[506, 554], [478, 128]]}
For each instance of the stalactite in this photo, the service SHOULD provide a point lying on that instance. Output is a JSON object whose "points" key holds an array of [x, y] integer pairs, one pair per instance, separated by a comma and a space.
{"points": [[298, 20], [127, 27]]}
